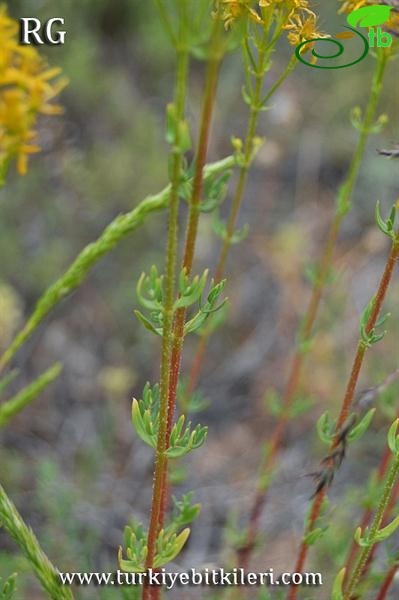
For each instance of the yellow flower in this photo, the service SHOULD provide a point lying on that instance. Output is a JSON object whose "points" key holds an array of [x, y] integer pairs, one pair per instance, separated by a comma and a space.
{"points": [[350, 5], [303, 26], [27, 88], [392, 25], [291, 5], [231, 10]]}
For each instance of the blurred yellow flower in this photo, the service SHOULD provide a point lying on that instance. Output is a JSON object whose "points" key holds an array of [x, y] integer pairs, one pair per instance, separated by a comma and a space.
{"points": [[235, 9], [27, 87], [289, 5], [392, 25], [302, 26], [350, 5]]}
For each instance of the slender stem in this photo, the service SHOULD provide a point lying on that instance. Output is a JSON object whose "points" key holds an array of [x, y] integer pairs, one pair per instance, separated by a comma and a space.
{"points": [[380, 474], [193, 217], [251, 132], [175, 323], [375, 526], [367, 515], [239, 192], [386, 584], [324, 266], [348, 399], [22, 399], [169, 297]]}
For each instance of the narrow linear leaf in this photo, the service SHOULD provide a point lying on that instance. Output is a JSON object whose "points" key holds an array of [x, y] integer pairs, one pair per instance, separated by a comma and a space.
{"points": [[359, 429], [337, 591], [45, 571], [13, 406], [393, 438], [177, 547], [116, 231], [387, 531]]}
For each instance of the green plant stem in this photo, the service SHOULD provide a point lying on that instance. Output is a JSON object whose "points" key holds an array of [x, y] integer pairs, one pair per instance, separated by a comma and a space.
{"points": [[239, 193], [367, 515], [176, 334], [193, 216], [375, 526], [45, 571], [77, 272], [348, 400], [12, 407], [344, 201], [169, 298], [380, 474], [346, 192]]}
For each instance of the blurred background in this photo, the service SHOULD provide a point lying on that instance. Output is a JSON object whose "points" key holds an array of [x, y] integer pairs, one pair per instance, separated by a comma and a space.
{"points": [[72, 462]]}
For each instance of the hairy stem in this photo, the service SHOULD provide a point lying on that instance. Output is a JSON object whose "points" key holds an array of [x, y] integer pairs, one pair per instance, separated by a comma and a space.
{"points": [[367, 515], [348, 399], [216, 55], [174, 333], [375, 526], [169, 297]]}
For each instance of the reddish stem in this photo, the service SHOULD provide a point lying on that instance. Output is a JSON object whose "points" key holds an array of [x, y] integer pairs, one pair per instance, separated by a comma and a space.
{"points": [[382, 594], [348, 399], [189, 248]]}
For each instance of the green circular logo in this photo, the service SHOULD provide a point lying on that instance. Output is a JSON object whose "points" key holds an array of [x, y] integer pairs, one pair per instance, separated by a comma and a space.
{"points": [[338, 53]]}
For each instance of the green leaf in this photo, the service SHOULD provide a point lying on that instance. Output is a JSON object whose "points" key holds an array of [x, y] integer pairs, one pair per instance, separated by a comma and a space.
{"points": [[183, 441], [138, 421], [325, 428], [208, 308], [363, 542], [171, 123], [147, 323], [273, 403], [369, 16], [9, 587], [359, 429], [337, 590], [149, 290], [300, 406], [240, 234], [215, 193], [313, 536], [387, 227], [144, 424], [135, 541], [387, 531], [172, 549], [185, 511], [393, 437], [190, 292]]}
